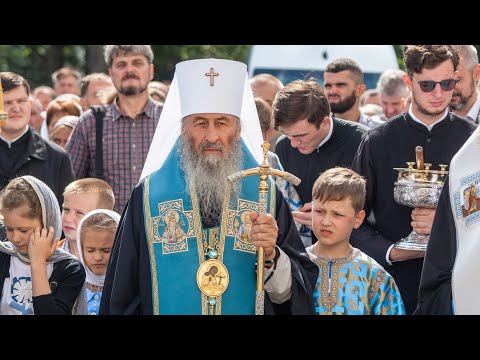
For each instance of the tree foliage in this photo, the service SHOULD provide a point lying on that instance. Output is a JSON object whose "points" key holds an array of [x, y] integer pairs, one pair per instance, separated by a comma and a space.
{"points": [[37, 62], [166, 56]]}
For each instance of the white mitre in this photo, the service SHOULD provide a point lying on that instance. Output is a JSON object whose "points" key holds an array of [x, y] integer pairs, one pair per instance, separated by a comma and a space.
{"points": [[205, 86]]}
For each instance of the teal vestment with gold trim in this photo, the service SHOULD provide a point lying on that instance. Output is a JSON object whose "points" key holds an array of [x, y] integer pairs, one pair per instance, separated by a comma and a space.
{"points": [[178, 243], [355, 285]]}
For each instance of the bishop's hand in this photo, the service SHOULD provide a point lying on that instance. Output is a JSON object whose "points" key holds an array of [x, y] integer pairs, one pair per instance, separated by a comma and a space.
{"points": [[264, 233]]}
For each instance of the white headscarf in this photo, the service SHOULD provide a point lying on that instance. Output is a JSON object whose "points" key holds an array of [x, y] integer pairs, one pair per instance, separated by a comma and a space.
{"points": [[69, 120], [96, 280], [64, 97], [50, 217], [192, 92]]}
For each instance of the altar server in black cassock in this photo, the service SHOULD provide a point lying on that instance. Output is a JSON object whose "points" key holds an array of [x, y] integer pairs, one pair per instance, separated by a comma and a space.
{"points": [[315, 141]]}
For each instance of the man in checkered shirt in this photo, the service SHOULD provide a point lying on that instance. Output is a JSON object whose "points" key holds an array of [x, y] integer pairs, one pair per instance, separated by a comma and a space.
{"points": [[128, 126]]}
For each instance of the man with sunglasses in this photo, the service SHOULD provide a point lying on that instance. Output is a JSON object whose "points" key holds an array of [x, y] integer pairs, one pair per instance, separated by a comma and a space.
{"points": [[431, 77]]}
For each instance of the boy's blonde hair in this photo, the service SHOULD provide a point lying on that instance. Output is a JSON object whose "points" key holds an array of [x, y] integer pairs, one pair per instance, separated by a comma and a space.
{"points": [[98, 222], [106, 198], [339, 183]]}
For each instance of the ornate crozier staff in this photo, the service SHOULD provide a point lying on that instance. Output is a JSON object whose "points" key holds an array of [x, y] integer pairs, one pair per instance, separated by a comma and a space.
{"points": [[263, 171]]}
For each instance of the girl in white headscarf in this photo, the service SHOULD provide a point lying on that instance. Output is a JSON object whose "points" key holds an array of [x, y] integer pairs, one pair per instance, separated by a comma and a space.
{"points": [[35, 276], [95, 235]]}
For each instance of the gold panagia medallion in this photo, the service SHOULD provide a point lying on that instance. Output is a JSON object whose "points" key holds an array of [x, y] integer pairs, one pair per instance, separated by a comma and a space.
{"points": [[212, 278]]}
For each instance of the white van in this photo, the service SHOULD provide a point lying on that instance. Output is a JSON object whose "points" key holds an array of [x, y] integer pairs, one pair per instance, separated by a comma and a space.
{"points": [[300, 62]]}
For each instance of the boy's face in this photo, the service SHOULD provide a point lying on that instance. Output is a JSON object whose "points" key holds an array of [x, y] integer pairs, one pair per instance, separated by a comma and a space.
{"points": [[96, 248], [333, 221], [75, 206]]}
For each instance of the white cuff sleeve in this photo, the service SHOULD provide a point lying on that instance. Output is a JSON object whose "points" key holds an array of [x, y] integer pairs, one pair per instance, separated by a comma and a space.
{"points": [[388, 254], [279, 287]]}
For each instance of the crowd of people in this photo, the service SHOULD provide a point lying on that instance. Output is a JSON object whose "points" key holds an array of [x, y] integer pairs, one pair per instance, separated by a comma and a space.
{"points": [[125, 195]]}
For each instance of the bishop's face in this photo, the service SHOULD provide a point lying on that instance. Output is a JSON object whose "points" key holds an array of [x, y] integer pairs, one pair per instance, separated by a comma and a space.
{"points": [[212, 136], [210, 152]]}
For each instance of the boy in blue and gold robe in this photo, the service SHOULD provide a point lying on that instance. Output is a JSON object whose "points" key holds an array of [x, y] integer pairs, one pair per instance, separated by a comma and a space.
{"points": [[349, 282]]}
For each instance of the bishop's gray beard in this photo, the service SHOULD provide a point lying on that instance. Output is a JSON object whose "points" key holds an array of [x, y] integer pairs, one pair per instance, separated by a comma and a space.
{"points": [[208, 173]]}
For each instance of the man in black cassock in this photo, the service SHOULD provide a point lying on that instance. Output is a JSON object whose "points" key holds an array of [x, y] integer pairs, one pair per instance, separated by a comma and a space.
{"points": [[201, 125], [315, 141], [431, 74]]}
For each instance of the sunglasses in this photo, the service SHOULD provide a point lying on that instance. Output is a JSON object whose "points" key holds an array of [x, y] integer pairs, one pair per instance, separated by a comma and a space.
{"points": [[429, 85]]}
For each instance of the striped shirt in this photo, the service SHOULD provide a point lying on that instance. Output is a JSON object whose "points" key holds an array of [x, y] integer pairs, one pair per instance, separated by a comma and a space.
{"points": [[125, 147]]}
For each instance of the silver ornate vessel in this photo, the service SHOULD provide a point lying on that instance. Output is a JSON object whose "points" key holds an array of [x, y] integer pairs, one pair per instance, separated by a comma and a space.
{"points": [[418, 188]]}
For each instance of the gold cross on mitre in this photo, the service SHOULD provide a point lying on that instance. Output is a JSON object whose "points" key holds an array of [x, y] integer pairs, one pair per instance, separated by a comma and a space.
{"points": [[211, 74]]}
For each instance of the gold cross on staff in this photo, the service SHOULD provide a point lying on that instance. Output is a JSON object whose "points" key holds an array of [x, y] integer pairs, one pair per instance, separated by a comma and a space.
{"points": [[265, 148], [211, 74]]}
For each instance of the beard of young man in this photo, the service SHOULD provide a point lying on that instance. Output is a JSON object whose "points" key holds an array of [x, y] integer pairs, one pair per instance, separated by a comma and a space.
{"points": [[425, 111], [208, 173], [344, 105]]}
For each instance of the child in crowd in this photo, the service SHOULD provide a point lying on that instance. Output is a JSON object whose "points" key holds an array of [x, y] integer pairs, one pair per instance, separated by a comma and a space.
{"points": [[35, 276], [349, 282], [95, 236], [81, 197]]}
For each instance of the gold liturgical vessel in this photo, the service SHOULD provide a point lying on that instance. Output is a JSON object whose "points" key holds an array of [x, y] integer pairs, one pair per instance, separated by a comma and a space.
{"points": [[418, 187]]}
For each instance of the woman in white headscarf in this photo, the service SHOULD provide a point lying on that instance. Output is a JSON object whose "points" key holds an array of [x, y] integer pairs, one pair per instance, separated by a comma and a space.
{"points": [[36, 277], [63, 129], [95, 235]]}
